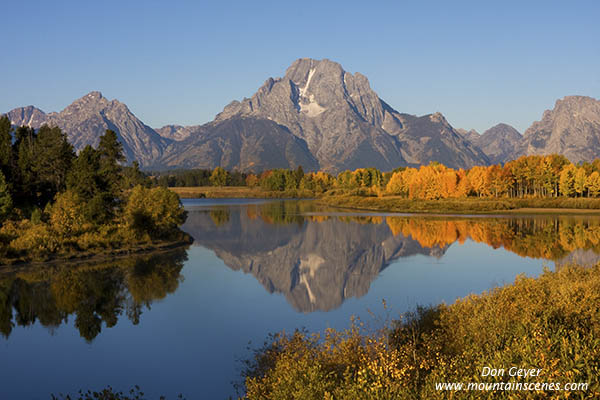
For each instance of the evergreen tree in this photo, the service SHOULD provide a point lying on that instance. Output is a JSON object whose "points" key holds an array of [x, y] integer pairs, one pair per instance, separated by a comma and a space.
{"points": [[26, 180], [54, 156], [298, 175], [132, 176], [6, 152], [110, 152], [6, 204], [86, 180]]}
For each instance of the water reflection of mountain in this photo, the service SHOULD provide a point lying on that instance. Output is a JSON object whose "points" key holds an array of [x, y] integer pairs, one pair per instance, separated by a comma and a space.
{"points": [[579, 257], [95, 294], [315, 262], [319, 261]]}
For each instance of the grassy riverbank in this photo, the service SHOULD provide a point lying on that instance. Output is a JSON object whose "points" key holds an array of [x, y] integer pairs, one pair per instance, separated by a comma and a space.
{"points": [[550, 324], [474, 205], [238, 192], [464, 206], [97, 254]]}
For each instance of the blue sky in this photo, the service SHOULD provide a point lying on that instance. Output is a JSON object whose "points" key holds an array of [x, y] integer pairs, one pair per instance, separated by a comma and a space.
{"points": [[477, 62]]}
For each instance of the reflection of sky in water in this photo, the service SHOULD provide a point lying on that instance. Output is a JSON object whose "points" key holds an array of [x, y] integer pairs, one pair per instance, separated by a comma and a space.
{"points": [[189, 341]]}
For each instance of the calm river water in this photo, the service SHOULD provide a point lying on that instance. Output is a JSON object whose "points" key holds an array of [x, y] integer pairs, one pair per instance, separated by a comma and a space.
{"points": [[179, 322]]}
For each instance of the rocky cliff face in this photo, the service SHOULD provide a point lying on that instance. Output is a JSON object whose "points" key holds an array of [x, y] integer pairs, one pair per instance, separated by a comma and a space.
{"points": [[431, 138], [346, 125], [177, 132], [471, 135], [87, 118], [29, 116], [572, 128]]}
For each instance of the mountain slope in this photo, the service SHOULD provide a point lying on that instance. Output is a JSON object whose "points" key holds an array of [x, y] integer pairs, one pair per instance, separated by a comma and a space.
{"points": [[571, 128], [499, 143], [346, 125], [87, 118], [245, 144], [29, 116], [472, 135], [177, 132], [431, 138]]}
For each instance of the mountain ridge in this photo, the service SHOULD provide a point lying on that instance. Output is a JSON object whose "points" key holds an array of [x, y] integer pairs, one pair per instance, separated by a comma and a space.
{"points": [[571, 128], [87, 118], [345, 123], [321, 117]]}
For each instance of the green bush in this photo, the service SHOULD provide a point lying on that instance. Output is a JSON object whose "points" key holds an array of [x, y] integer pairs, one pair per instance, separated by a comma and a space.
{"points": [[156, 211]]}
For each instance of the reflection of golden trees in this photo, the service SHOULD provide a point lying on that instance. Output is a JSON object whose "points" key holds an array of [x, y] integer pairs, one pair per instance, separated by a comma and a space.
{"points": [[549, 238], [252, 211], [541, 237], [220, 215], [282, 212], [95, 294], [319, 218], [362, 219]]}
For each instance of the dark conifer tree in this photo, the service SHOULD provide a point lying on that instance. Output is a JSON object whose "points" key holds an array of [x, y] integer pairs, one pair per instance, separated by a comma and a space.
{"points": [[24, 178], [6, 152], [53, 162], [110, 151]]}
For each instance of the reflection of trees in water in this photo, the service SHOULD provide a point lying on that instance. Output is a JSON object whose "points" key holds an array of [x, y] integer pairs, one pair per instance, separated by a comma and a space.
{"points": [[95, 294], [546, 237], [318, 258], [281, 212], [219, 215]]}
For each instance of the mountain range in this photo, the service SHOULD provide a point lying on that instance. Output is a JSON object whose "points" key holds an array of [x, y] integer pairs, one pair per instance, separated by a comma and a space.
{"points": [[321, 117]]}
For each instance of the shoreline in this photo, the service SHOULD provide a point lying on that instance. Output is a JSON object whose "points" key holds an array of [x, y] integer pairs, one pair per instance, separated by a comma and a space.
{"points": [[453, 207], [236, 192], [109, 254], [487, 206], [498, 212]]}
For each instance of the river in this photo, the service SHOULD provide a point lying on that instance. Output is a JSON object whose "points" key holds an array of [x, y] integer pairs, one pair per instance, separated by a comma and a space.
{"points": [[181, 321]]}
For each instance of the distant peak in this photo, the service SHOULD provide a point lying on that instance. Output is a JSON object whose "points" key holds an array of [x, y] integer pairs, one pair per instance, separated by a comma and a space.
{"points": [[575, 101], [92, 98], [438, 117], [577, 98], [503, 130], [504, 127], [311, 62], [94, 95], [300, 68]]}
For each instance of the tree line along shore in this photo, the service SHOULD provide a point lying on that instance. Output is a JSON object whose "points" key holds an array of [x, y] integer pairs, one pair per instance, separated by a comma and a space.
{"points": [[530, 182], [56, 204]]}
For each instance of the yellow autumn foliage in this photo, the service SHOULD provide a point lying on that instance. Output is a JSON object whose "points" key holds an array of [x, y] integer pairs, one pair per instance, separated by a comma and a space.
{"points": [[551, 323]]}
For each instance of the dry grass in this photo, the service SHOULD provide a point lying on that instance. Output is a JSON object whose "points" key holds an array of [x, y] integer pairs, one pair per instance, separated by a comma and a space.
{"points": [[233, 192], [466, 205], [216, 192]]}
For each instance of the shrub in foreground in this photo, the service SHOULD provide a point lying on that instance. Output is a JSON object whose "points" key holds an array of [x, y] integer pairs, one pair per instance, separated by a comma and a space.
{"points": [[551, 323]]}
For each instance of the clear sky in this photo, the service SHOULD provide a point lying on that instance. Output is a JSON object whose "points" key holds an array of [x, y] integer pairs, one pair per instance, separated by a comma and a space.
{"points": [[477, 62]]}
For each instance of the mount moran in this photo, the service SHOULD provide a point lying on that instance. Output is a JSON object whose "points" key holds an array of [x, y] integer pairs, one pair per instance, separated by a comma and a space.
{"points": [[321, 117]]}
